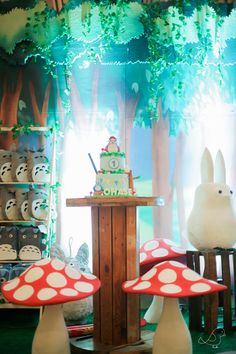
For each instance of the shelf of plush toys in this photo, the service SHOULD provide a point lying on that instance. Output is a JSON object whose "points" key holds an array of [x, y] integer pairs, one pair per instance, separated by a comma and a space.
{"points": [[33, 190]]}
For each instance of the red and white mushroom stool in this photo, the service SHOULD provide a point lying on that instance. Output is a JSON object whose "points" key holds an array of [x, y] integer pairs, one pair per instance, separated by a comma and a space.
{"points": [[172, 280], [50, 283], [153, 252]]}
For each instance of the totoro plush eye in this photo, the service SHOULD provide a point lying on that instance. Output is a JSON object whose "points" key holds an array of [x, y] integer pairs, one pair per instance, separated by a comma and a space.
{"points": [[24, 236], [231, 192], [219, 191], [10, 235]]}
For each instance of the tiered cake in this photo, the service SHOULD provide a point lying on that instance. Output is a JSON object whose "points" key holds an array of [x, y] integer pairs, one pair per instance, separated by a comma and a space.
{"points": [[113, 179]]}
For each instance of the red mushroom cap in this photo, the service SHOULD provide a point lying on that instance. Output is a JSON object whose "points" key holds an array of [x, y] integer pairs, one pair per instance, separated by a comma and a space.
{"points": [[171, 279], [158, 250], [49, 281]]}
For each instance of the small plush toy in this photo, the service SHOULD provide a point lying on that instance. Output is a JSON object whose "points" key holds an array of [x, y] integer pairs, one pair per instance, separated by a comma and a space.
{"points": [[21, 196], [9, 207], [8, 243], [30, 243], [38, 203], [5, 166], [19, 166], [38, 166], [212, 221], [75, 311]]}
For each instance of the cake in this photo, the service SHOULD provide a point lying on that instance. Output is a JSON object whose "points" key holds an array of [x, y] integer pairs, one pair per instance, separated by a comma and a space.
{"points": [[113, 178]]}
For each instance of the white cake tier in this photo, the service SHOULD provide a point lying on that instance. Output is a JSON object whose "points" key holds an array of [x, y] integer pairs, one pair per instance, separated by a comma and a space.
{"points": [[112, 184], [112, 161]]}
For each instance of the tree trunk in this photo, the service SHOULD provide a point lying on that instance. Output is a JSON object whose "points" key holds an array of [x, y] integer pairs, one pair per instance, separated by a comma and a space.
{"points": [[9, 109], [162, 217]]}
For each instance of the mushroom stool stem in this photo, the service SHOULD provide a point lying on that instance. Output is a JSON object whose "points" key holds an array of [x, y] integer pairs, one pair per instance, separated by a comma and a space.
{"points": [[172, 334], [51, 335], [153, 313]]}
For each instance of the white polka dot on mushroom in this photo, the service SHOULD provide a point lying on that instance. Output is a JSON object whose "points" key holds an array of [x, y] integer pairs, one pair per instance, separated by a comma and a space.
{"points": [[178, 250], [130, 283], [89, 276], [167, 276], [23, 293], [177, 264], [171, 289], [83, 286], [160, 264], [200, 288], [151, 245], [56, 280], [34, 274], [142, 256], [191, 275], [68, 292], [149, 274], [11, 285], [43, 262], [46, 294], [142, 285], [72, 272], [57, 264], [161, 252]]}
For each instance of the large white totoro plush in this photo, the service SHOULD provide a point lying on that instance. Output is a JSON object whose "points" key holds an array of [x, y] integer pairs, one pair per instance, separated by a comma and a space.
{"points": [[212, 221]]}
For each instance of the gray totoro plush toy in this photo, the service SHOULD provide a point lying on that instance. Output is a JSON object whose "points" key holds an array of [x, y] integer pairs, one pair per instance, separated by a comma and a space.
{"points": [[9, 206], [21, 196], [19, 166], [8, 243], [38, 166], [75, 311], [30, 243], [38, 203], [5, 166]]}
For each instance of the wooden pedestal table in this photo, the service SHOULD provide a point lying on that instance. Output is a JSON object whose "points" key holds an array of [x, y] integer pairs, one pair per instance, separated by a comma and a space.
{"points": [[115, 259]]}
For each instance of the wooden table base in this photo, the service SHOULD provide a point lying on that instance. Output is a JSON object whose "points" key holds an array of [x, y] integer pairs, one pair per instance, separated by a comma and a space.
{"points": [[115, 245], [86, 346]]}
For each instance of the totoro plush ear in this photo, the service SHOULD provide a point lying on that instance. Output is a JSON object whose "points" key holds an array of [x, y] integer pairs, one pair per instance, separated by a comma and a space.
{"points": [[207, 169], [220, 171], [82, 256]]}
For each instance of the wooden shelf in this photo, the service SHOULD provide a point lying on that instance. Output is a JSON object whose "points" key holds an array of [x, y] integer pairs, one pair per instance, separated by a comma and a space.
{"points": [[15, 261], [23, 221], [25, 183], [33, 129], [114, 201]]}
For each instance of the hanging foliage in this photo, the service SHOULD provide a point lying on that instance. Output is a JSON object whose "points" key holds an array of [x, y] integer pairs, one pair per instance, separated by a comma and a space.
{"points": [[171, 35]]}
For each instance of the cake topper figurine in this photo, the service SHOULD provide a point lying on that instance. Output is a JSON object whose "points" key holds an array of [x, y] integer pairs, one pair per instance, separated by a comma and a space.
{"points": [[112, 145]]}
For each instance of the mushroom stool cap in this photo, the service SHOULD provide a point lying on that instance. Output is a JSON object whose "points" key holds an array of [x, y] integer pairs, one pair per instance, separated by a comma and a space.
{"points": [[48, 282], [172, 279], [158, 250]]}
